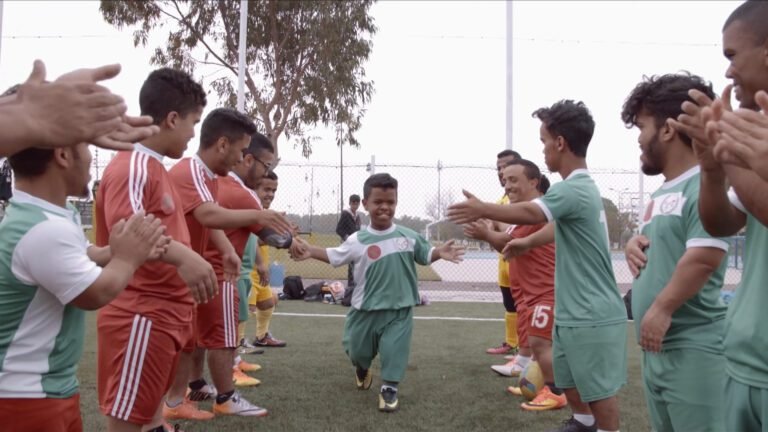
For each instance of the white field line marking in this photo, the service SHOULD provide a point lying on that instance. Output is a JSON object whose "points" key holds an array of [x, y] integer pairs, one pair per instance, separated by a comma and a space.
{"points": [[416, 317], [427, 318]]}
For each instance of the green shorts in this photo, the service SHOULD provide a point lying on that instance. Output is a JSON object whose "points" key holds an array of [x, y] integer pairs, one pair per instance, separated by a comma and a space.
{"points": [[591, 359], [684, 390], [243, 290], [385, 332], [746, 407]]}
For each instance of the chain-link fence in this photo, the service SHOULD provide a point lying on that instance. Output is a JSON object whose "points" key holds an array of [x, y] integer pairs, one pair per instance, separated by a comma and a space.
{"points": [[313, 196]]}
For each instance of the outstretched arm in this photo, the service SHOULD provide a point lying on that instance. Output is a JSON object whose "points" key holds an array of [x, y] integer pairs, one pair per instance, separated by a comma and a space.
{"points": [[519, 246], [212, 215], [311, 252], [480, 230], [448, 251], [526, 213]]}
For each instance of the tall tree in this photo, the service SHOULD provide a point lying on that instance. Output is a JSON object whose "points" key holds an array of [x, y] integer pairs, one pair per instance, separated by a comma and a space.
{"points": [[305, 59], [437, 205], [614, 219]]}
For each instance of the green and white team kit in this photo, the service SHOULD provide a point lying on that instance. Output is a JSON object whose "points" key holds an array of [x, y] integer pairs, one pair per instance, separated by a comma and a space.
{"points": [[385, 270], [43, 267]]}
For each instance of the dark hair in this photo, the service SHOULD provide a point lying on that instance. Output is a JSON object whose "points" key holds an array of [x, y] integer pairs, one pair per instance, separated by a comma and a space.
{"points": [[570, 120], [754, 14], [662, 97], [381, 181], [507, 153], [225, 122], [31, 162], [271, 175], [166, 90], [259, 143], [532, 172], [354, 198]]}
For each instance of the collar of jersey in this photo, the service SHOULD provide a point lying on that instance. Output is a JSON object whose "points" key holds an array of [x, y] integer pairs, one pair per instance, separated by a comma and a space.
{"points": [[22, 197], [240, 182], [142, 148], [681, 178], [389, 230], [576, 172], [211, 174]]}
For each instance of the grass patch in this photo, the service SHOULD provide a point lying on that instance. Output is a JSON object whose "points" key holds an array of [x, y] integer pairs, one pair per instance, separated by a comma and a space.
{"points": [[309, 385]]}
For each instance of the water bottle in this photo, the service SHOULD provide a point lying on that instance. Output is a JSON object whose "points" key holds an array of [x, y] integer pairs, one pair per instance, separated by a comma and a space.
{"points": [[276, 275]]}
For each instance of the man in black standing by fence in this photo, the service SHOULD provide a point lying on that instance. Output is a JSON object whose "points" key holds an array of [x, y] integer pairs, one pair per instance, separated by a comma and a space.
{"points": [[349, 223]]}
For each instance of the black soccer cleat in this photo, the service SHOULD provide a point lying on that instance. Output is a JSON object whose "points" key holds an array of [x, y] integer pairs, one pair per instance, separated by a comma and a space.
{"points": [[573, 425], [388, 400]]}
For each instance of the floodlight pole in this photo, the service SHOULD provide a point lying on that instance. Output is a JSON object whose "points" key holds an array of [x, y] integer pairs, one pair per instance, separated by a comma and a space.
{"points": [[2, 3], [341, 179], [241, 56], [509, 110]]}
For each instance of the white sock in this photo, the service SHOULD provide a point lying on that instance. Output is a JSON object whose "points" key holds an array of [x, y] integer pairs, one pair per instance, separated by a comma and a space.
{"points": [[585, 419], [522, 361], [238, 359]]}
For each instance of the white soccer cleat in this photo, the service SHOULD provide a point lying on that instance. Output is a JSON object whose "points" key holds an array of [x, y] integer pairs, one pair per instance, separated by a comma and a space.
{"points": [[511, 369], [238, 406]]}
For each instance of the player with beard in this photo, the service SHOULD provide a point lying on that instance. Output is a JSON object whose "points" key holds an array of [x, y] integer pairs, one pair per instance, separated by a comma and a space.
{"points": [[679, 268]]}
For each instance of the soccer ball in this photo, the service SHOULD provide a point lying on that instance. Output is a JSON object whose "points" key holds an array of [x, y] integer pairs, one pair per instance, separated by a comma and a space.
{"points": [[531, 380]]}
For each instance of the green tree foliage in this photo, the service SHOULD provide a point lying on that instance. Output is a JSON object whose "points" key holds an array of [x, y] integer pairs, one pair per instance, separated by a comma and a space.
{"points": [[618, 222], [305, 59]]}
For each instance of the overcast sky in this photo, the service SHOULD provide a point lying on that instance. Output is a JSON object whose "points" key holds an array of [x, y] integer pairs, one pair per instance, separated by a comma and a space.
{"points": [[439, 71]]}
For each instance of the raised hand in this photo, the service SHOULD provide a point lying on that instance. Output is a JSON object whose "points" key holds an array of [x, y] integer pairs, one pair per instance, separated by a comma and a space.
{"points": [[449, 251], [130, 130], [694, 123], [160, 248], [467, 211], [635, 254], [274, 220], [134, 240], [744, 138], [515, 248], [477, 230], [69, 112], [299, 250]]}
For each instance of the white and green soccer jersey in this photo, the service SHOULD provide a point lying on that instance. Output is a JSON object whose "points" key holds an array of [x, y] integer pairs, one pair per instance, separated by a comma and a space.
{"points": [[385, 273], [249, 257], [43, 267], [746, 335], [585, 287], [671, 224]]}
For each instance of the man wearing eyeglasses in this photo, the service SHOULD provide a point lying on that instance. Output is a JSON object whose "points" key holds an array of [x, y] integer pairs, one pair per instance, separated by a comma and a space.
{"points": [[224, 136]]}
